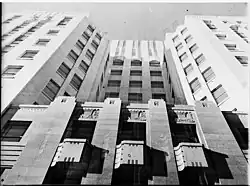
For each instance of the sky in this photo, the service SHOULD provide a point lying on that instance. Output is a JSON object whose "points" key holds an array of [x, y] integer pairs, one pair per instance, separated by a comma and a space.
{"points": [[134, 21]]}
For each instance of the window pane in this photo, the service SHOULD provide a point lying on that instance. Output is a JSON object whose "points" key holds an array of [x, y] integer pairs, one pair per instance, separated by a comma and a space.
{"points": [[157, 84], [116, 72], [114, 83], [155, 73], [63, 70], [84, 66], [76, 82], [135, 73], [136, 84]]}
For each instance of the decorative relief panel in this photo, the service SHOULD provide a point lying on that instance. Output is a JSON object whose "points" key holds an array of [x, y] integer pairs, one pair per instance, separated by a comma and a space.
{"points": [[184, 116], [136, 114], [89, 113]]}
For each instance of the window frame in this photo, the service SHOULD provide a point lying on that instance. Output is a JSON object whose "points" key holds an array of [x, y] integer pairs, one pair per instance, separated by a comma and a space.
{"points": [[35, 52]]}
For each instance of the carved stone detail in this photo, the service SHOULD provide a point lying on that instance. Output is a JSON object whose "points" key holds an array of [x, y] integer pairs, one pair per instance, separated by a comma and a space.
{"points": [[184, 117], [136, 114], [90, 113]]}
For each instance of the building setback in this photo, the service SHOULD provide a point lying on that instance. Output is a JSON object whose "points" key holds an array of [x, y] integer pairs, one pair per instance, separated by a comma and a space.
{"points": [[78, 108], [208, 60]]}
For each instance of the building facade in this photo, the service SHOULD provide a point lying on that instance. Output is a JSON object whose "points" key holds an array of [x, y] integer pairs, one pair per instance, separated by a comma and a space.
{"points": [[69, 142], [208, 57], [50, 54]]}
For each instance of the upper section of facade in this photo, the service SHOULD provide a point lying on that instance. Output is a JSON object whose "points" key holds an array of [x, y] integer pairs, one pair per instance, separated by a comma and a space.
{"points": [[49, 54], [210, 56]]}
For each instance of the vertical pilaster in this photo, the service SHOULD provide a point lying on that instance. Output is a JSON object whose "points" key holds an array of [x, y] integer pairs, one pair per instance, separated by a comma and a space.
{"points": [[32, 165]]}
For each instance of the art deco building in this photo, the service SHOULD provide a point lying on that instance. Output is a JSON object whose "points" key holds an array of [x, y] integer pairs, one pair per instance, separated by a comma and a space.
{"points": [[84, 110], [207, 58]]}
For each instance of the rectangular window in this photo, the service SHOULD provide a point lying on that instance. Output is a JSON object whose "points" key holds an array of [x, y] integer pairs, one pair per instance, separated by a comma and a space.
{"points": [[94, 44], [98, 36], [204, 98], [231, 47], [188, 69], [84, 66], [63, 70], [155, 73], [200, 59], [154, 64], [89, 55], [86, 35], [176, 38], [208, 74], [53, 32], [29, 54], [73, 56], [183, 56], [221, 36], [188, 39], [64, 21], [91, 28], [135, 97], [51, 90], [118, 63], [80, 45], [135, 84], [111, 95], [219, 94], [184, 31], [7, 48], [11, 71], [195, 85], [114, 83], [42, 42], [135, 73], [116, 72], [136, 63], [193, 48], [179, 46], [76, 82], [243, 60], [14, 130], [159, 96], [157, 84]]}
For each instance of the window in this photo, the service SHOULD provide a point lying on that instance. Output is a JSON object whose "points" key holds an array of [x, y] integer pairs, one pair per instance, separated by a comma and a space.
{"points": [[91, 28], [11, 71], [84, 66], [231, 47], [183, 56], [200, 59], [42, 42], [94, 44], [136, 63], [184, 31], [219, 94], [111, 95], [154, 64], [80, 45], [208, 74], [135, 73], [195, 85], [98, 36], [118, 63], [116, 72], [155, 73], [14, 130], [63, 70], [204, 98], [135, 84], [85, 35], [73, 56], [29, 54], [7, 48], [193, 48], [159, 96], [157, 84], [243, 60], [176, 38], [89, 55], [106, 64], [64, 21], [101, 80], [173, 94], [188, 69], [114, 83], [35, 103], [53, 32], [135, 97], [179, 46], [209, 24], [51, 90], [76, 82], [221, 36], [66, 94], [188, 39]]}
